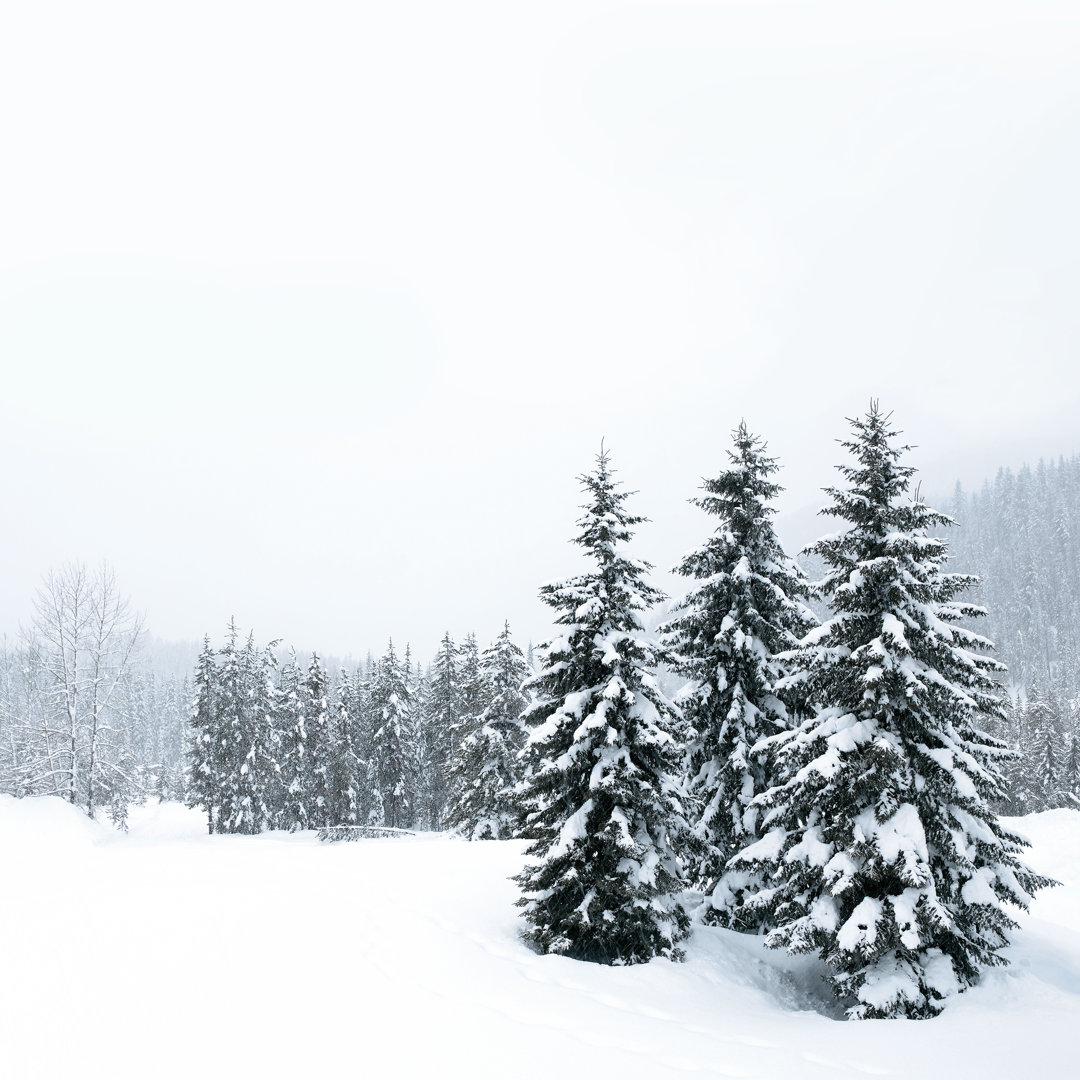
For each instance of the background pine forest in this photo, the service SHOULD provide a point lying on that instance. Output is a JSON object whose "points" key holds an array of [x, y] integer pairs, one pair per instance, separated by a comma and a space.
{"points": [[400, 740]]}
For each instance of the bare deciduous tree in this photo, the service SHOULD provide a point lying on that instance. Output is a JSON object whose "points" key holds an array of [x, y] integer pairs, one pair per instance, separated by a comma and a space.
{"points": [[82, 642]]}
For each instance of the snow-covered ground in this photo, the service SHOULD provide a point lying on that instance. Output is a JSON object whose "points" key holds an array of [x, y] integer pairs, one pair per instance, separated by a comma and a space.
{"points": [[168, 953]]}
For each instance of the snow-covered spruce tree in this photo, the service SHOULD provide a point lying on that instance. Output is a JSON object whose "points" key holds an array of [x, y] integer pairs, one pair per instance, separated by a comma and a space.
{"points": [[420, 689], [1041, 780], [883, 853], [745, 608], [441, 718], [1007, 727], [254, 782], [294, 809], [315, 693], [204, 744], [486, 768], [602, 811], [371, 806], [474, 687], [345, 769], [1071, 771], [393, 751]]}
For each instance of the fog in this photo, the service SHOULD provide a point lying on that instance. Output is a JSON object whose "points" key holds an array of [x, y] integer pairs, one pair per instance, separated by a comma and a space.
{"points": [[311, 315]]}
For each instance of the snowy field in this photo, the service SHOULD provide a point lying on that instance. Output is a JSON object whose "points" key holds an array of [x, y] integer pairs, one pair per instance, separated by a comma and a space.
{"points": [[169, 953]]}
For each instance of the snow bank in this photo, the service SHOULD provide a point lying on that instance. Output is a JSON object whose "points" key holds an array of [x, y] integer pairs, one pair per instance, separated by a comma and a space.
{"points": [[172, 953], [52, 824]]}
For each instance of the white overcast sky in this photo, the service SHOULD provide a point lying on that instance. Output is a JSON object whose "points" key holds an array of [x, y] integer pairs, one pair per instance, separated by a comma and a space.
{"points": [[311, 313]]}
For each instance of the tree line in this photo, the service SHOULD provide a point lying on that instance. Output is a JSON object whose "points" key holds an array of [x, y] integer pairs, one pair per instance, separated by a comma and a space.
{"points": [[277, 746], [1021, 534]]}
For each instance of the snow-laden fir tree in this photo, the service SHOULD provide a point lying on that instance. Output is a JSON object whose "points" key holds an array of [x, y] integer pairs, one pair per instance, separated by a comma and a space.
{"points": [[745, 608], [602, 810], [248, 768], [882, 852], [260, 788], [232, 695], [486, 769], [204, 744], [474, 688], [1071, 771], [417, 687], [393, 771], [294, 810], [1041, 783], [440, 722], [345, 769], [316, 695]]}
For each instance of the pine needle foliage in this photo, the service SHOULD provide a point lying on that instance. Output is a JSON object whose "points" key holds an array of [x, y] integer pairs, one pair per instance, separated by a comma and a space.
{"points": [[744, 609], [486, 769], [599, 800], [880, 847]]}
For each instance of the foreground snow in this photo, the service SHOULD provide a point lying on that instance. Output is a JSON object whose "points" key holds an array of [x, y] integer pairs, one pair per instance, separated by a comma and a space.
{"points": [[170, 953]]}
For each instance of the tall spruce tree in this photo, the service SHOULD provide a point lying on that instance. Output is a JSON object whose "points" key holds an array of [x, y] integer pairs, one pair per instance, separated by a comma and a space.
{"points": [[232, 699], [486, 769], [248, 769], [371, 804], [345, 769], [601, 806], [393, 752], [204, 743], [1071, 771], [256, 741], [294, 810], [744, 609], [315, 692], [441, 719], [882, 852]]}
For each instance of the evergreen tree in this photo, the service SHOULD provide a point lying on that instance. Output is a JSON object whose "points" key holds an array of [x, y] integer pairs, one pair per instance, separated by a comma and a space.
{"points": [[255, 742], [320, 753], [486, 768], [294, 811], [441, 721], [1042, 779], [231, 699], [1008, 728], [474, 689], [204, 745], [420, 691], [599, 798], [345, 769], [371, 807], [1071, 771], [393, 752], [882, 851], [743, 611]]}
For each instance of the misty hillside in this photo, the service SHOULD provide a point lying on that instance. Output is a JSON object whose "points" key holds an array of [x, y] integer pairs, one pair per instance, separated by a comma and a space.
{"points": [[1021, 534]]}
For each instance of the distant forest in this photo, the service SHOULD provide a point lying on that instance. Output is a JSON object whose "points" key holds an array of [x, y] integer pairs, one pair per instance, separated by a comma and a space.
{"points": [[1021, 535]]}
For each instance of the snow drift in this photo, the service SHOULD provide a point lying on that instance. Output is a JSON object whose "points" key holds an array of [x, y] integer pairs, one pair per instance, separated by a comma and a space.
{"points": [[171, 953]]}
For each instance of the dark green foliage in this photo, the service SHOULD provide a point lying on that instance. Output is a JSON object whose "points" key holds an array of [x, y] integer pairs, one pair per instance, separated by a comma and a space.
{"points": [[880, 847], [439, 731], [486, 769], [204, 744], [393, 768], [743, 610], [345, 768], [320, 796], [599, 799]]}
